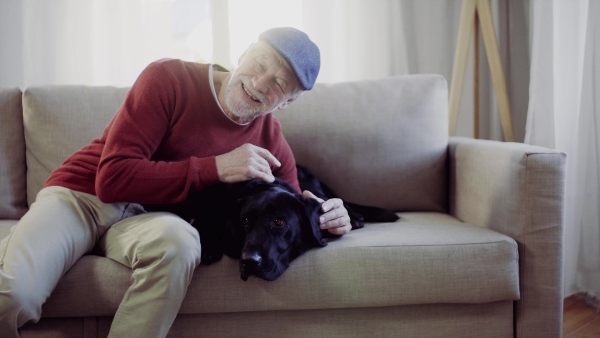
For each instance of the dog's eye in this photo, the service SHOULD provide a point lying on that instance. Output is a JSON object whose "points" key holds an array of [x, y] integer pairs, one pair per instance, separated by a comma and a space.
{"points": [[278, 222], [245, 223]]}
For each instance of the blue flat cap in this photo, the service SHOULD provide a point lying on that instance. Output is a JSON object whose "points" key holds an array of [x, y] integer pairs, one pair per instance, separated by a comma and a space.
{"points": [[298, 50]]}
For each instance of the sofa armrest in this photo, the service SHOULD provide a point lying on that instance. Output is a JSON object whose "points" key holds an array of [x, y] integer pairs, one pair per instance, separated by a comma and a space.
{"points": [[518, 190]]}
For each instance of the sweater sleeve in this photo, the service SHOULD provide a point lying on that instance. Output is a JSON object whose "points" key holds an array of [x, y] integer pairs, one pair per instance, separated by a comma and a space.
{"points": [[126, 172]]}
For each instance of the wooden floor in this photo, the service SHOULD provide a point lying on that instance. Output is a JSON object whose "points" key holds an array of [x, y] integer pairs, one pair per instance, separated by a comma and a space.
{"points": [[580, 320]]}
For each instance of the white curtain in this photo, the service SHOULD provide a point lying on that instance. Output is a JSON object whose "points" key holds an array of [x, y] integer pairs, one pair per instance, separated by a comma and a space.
{"points": [[103, 42], [366, 39], [564, 113], [109, 42]]}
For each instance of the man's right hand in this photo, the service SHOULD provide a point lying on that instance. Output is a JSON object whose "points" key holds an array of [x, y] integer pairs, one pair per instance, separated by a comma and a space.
{"points": [[246, 162]]}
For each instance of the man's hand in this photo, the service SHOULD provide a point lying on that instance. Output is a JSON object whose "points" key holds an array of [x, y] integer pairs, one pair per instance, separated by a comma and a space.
{"points": [[246, 162], [335, 218]]}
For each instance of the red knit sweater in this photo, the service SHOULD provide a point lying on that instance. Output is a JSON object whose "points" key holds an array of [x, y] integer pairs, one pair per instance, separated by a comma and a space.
{"points": [[162, 142]]}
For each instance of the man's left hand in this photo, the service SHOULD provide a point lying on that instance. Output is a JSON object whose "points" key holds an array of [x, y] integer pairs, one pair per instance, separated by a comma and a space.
{"points": [[335, 218]]}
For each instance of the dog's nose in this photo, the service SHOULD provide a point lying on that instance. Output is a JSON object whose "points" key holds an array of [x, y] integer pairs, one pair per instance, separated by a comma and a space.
{"points": [[251, 260], [249, 264]]}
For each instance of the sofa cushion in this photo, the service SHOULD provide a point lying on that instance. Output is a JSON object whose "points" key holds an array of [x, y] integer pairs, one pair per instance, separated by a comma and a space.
{"points": [[13, 198], [425, 258], [392, 157], [60, 120], [396, 161]]}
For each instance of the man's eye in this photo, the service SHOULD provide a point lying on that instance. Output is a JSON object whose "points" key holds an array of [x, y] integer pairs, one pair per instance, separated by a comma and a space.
{"points": [[279, 223], [259, 65]]}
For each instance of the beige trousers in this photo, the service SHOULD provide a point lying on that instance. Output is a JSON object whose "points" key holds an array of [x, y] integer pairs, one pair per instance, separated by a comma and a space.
{"points": [[62, 225]]}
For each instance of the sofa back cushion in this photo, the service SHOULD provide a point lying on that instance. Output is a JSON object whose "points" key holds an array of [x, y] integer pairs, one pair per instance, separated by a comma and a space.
{"points": [[13, 199], [377, 142], [59, 120]]}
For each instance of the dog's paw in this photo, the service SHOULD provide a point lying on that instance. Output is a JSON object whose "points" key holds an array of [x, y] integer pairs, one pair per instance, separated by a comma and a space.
{"points": [[210, 255], [357, 223]]}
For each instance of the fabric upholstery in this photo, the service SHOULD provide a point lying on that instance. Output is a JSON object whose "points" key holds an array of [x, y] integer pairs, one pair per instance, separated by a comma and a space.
{"points": [[379, 143], [523, 197], [13, 198], [426, 258], [443, 320], [490, 320], [60, 120], [410, 171], [62, 328]]}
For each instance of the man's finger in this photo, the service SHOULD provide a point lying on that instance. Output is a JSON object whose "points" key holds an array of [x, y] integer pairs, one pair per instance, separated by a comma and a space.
{"points": [[331, 204], [265, 176], [261, 164], [264, 153], [341, 230], [309, 194], [329, 221]]}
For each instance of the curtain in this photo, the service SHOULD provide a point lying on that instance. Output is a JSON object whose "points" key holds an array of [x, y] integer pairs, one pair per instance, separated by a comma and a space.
{"points": [[366, 39], [564, 113], [109, 42], [105, 42]]}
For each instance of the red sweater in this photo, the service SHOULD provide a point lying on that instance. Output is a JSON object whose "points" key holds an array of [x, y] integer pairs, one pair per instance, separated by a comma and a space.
{"points": [[162, 142]]}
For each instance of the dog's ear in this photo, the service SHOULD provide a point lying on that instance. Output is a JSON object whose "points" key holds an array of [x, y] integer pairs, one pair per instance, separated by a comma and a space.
{"points": [[234, 235], [310, 217]]}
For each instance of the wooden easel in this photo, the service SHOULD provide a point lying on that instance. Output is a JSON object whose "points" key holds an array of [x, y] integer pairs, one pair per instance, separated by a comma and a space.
{"points": [[476, 12]]}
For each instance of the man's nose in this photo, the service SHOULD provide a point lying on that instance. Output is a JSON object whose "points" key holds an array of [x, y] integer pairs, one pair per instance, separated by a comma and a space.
{"points": [[261, 83]]}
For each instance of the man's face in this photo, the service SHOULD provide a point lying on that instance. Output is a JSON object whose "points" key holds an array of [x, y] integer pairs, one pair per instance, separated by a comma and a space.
{"points": [[262, 83]]}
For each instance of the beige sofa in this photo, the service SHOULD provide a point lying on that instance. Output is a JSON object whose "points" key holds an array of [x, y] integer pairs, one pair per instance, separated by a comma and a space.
{"points": [[477, 251]]}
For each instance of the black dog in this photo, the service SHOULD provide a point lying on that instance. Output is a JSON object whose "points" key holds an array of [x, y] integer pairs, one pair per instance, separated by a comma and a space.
{"points": [[265, 225]]}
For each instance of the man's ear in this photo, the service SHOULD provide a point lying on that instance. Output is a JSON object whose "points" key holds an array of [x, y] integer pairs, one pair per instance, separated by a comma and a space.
{"points": [[290, 100], [285, 104]]}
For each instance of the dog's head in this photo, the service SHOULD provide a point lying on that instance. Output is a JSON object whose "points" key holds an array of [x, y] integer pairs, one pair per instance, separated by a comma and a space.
{"points": [[273, 226]]}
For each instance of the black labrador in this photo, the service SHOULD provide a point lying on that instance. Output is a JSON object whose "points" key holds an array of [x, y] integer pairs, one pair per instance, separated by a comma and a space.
{"points": [[265, 225]]}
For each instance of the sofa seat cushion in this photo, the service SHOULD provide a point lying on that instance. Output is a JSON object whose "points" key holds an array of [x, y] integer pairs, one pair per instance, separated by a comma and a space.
{"points": [[425, 258]]}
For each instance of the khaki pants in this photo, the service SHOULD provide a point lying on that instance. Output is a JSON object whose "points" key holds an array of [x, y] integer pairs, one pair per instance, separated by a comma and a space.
{"points": [[62, 225]]}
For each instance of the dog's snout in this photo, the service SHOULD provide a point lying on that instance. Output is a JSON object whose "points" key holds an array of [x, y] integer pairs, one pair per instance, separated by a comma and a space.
{"points": [[251, 259], [249, 264]]}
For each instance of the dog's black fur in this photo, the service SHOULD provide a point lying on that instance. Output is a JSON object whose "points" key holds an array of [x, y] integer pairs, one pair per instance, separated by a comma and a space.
{"points": [[265, 225]]}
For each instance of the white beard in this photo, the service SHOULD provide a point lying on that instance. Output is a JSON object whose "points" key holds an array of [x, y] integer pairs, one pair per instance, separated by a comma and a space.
{"points": [[243, 110]]}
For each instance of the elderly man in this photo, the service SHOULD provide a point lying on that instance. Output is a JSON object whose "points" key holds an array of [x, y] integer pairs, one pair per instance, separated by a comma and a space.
{"points": [[182, 127]]}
